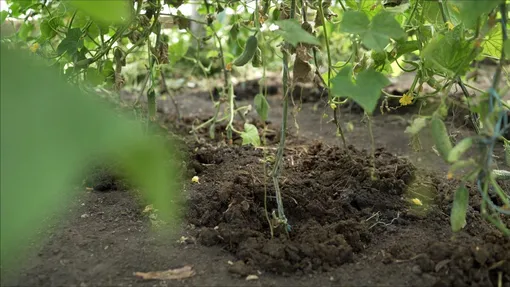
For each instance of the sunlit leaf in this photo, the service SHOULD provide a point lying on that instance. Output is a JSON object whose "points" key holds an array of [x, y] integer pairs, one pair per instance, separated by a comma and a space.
{"points": [[493, 42]]}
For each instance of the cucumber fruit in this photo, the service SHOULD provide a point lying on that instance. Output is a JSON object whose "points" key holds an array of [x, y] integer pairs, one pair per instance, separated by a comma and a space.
{"points": [[248, 53]]}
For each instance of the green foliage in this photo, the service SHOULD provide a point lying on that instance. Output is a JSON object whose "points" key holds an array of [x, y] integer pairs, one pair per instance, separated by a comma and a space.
{"points": [[178, 50], [104, 11], [250, 135], [261, 106], [3, 16], [92, 42], [450, 53], [49, 132], [292, 33], [72, 43], [365, 91], [374, 34], [469, 11]]}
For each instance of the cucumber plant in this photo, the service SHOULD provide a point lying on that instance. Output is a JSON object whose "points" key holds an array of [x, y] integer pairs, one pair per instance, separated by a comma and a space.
{"points": [[350, 47]]}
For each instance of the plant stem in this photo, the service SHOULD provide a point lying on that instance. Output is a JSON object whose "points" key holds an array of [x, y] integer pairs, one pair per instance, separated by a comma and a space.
{"points": [[372, 145], [330, 95], [275, 173]]}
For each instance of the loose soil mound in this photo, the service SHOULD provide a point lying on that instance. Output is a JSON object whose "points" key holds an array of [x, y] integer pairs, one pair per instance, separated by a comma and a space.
{"points": [[327, 193], [338, 212]]}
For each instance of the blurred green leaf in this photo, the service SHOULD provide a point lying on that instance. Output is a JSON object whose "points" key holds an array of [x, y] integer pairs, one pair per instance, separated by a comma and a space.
{"points": [[46, 31], [94, 77], [333, 73], [449, 53], [50, 131], [374, 34], [250, 135], [26, 30], [105, 11], [469, 11], [416, 126], [177, 50], [354, 22], [212, 54], [71, 43], [108, 70], [292, 32], [459, 209], [366, 91], [262, 106], [3, 16], [507, 48]]}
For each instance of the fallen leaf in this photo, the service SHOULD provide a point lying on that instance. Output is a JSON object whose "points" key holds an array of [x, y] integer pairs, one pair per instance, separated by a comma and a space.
{"points": [[170, 274], [252, 277]]}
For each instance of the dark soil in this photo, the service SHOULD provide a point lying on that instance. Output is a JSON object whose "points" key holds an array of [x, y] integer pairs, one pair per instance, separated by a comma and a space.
{"points": [[347, 229]]}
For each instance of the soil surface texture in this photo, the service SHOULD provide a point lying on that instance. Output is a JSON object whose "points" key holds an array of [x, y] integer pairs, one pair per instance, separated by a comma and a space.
{"points": [[354, 220]]}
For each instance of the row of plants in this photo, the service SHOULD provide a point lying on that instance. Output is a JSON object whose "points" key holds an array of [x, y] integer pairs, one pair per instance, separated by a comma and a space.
{"points": [[350, 47]]}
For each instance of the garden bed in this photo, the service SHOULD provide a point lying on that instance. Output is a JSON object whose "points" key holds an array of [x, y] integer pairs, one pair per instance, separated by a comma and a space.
{"points": [[346, 228]]}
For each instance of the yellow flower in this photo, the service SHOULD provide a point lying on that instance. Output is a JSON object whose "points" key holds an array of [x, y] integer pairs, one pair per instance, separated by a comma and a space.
{"points": [[406, 99], [450, 25], [195, 179], [417, 201], [34, 47]]}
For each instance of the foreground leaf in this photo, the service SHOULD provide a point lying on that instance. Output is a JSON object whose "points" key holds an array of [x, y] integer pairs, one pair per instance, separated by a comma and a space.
{"points": [[50, 131], [116, 11]]}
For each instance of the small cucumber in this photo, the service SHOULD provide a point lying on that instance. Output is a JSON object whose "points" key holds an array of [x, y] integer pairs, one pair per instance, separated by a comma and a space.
{"points": [[459, 149], [257, 58], [507, 154], [459, 209], [440, 136], [248, 53]]}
